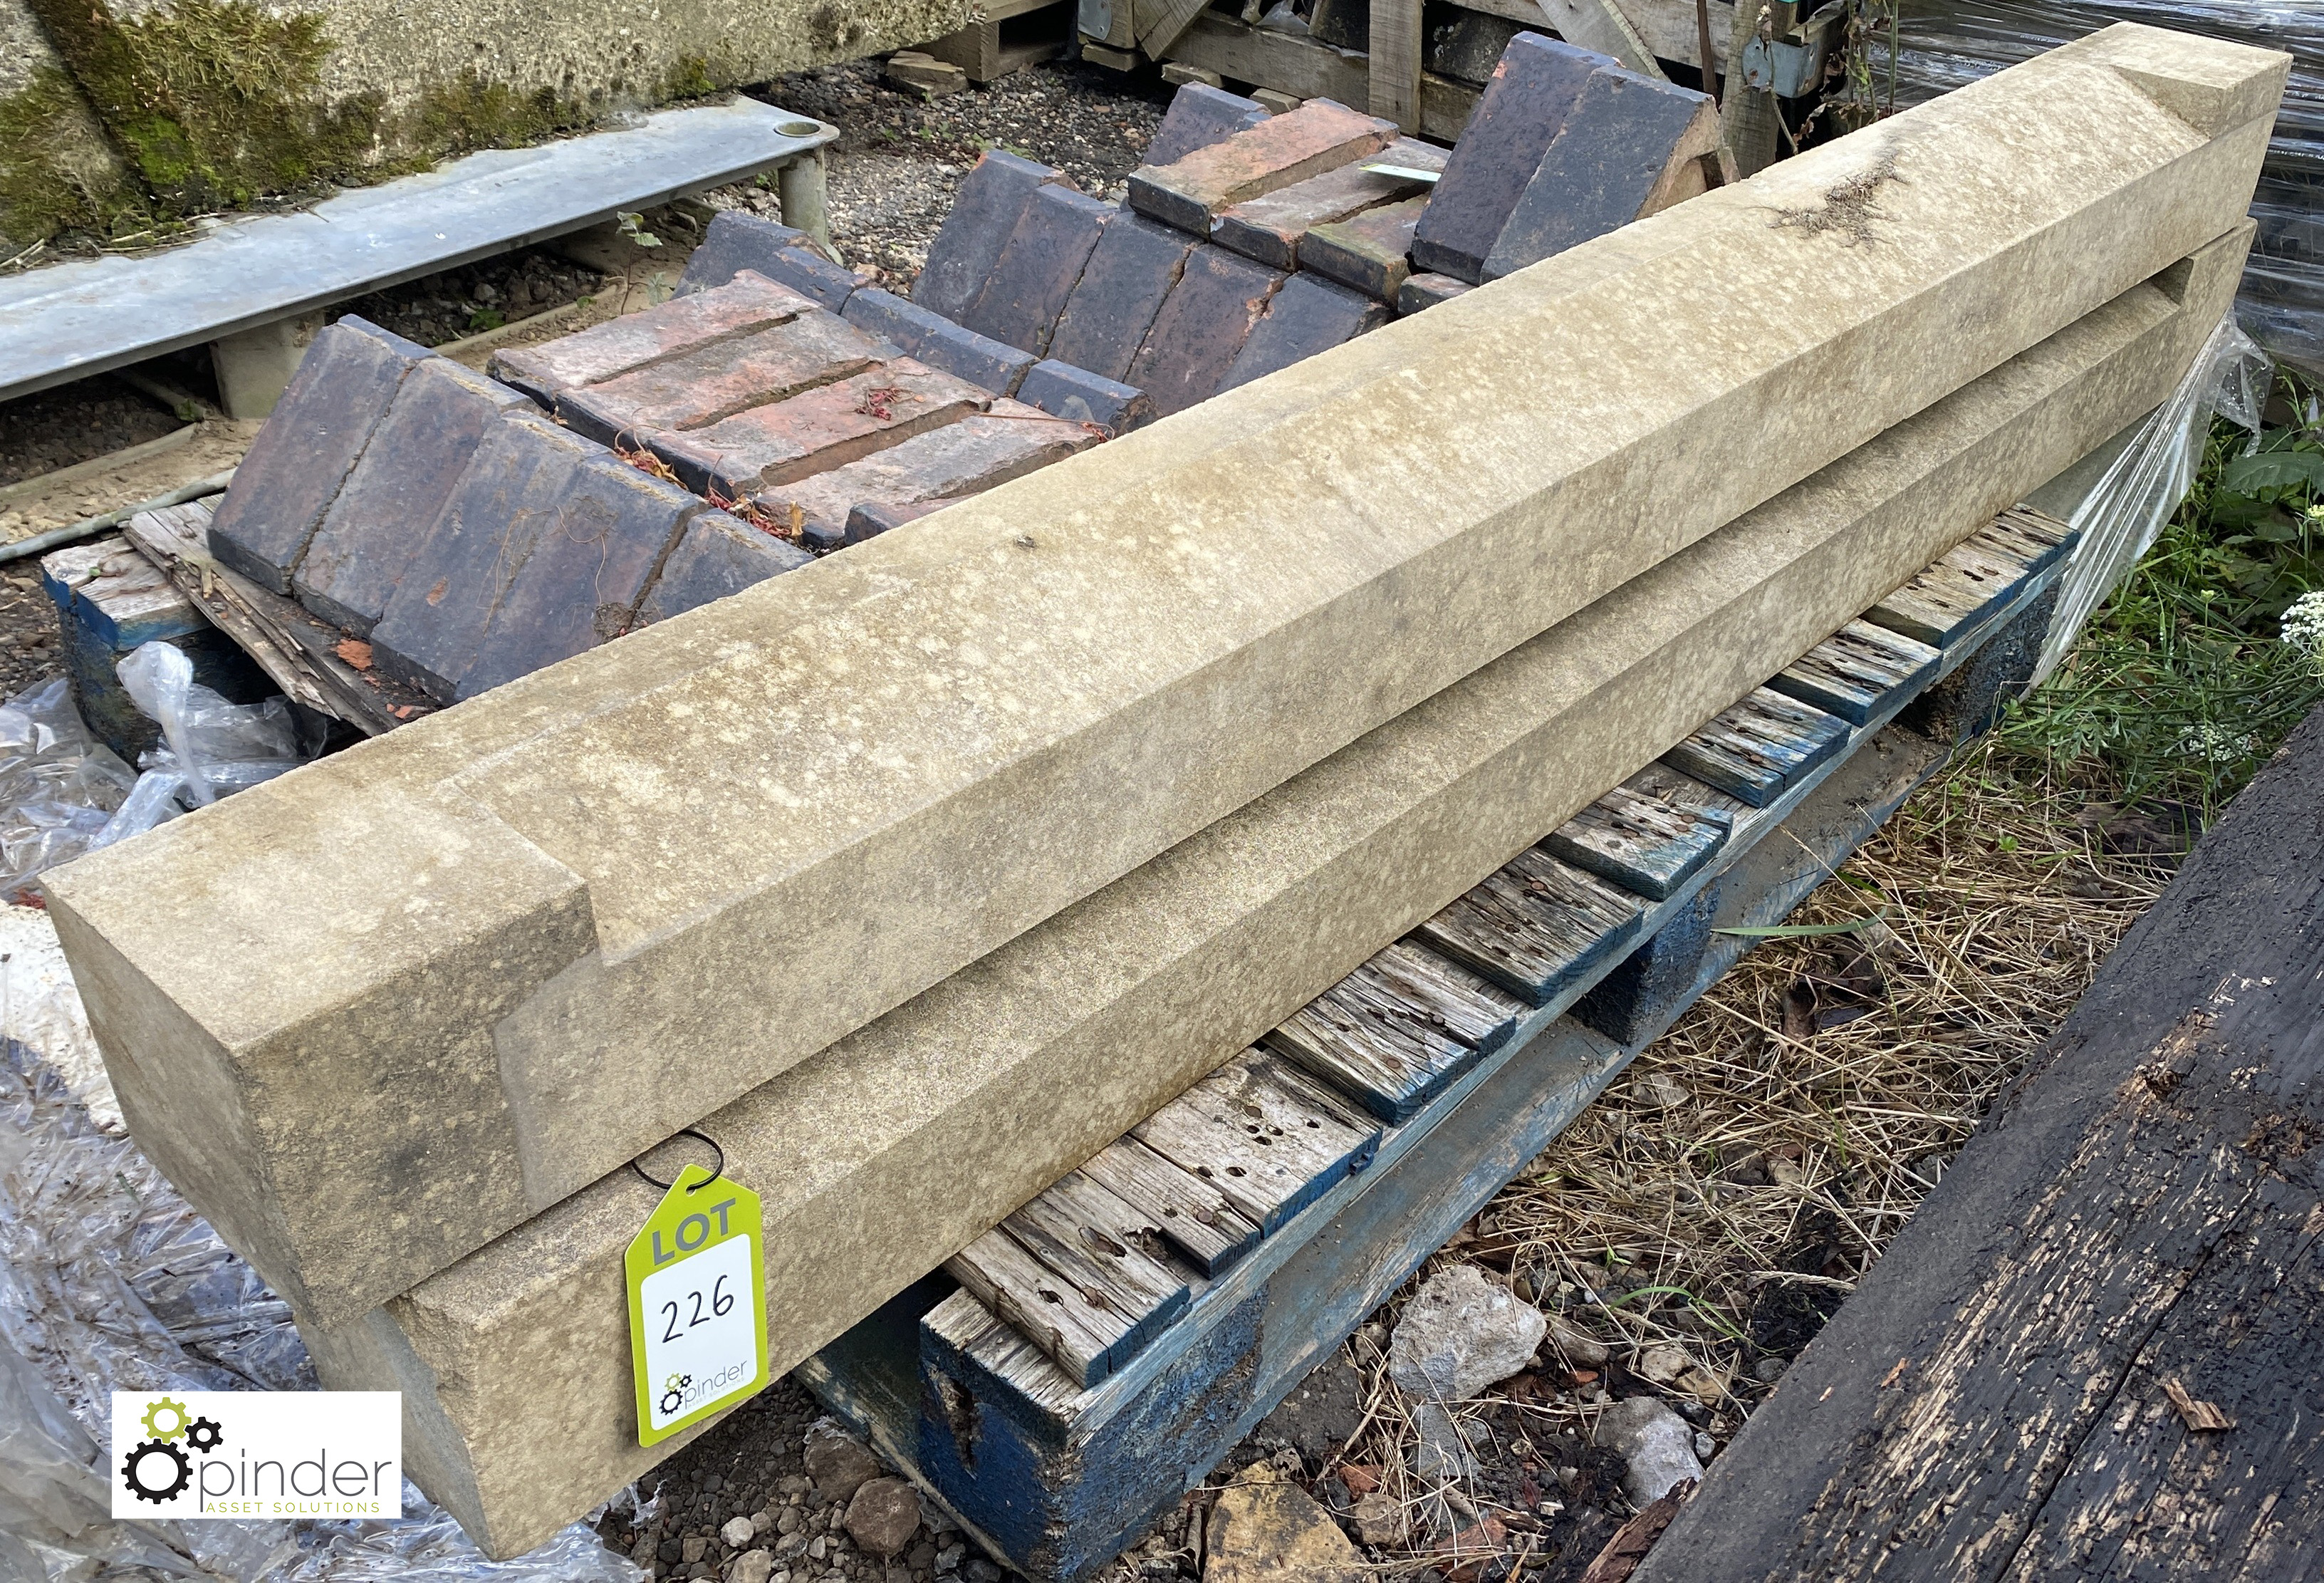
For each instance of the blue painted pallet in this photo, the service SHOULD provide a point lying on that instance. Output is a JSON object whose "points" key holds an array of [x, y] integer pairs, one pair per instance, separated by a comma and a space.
{"points": [[1640, 841], [1055, 1475], [1757, 747], [1536, 926], [1393, 1033], [1848, 673]]}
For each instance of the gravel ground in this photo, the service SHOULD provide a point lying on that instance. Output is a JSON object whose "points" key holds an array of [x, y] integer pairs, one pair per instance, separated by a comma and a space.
{"points": [[898, 159], [476, 296], [56, 428]]}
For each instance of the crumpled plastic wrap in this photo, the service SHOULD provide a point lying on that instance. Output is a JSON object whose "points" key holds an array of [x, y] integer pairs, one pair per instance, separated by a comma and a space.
{"points": [[62, 793], [2125, 510], [1945, 43], [109, 1281]]}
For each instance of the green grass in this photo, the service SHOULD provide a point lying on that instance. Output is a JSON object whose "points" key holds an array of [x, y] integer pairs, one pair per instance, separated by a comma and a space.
{"points": [[2183, 684]]}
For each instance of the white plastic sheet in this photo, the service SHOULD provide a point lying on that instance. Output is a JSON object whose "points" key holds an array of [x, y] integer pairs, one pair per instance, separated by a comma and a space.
{"points": [[2126, 510]]}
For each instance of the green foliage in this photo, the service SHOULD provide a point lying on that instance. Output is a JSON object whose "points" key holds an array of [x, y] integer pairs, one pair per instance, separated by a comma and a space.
{"points": [[217, 102], [474, 114], [2183, 685], [56, 172]]}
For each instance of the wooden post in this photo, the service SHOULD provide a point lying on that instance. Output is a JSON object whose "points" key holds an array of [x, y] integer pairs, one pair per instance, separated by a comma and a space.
{"points": [[1395, 61], [1702, 49], [1748, 115]]}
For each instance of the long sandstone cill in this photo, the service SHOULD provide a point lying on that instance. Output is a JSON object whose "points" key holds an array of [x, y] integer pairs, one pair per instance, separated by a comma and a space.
{"points": [[372, 1014], [886, 1154]]}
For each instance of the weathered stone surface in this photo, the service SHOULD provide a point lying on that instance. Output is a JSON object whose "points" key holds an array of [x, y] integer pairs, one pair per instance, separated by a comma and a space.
{"points": [[818, 430], [1440, 1452], [1040, 268], [1307, 316], [1202, 328], [984, 214], [838, 1462], [1657, 1444], [1319, 135], [1426, 289], [939, 342], [1469, 47], [697, 389], [416, 457], [884, 1515], [1629, 149], [1531, 92], [317, 433], [914, 1135], [57, 170], [384, 85], [1269, 228], [704, 787], [1458, 1334], [1084, 397], [1128, 278], [718, 555], [1368, 252], [1200, 115], [1265, 1529], [959, 458], [542, 551], [747, 303], [811, 274], [735, 240]]}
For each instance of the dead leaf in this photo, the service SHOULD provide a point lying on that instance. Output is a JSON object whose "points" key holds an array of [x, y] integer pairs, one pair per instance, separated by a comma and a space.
{"points": [[1630, 1545], [355, 652], [2201, 1417], [1799, 1010]]}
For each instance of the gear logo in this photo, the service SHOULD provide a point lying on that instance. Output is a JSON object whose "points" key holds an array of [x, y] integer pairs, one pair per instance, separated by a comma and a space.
{"points": [[673, 1393], [156, 1471]]}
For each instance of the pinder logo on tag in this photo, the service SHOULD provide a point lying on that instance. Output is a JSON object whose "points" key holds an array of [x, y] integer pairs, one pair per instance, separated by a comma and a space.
{"points": [[258, 1454]]}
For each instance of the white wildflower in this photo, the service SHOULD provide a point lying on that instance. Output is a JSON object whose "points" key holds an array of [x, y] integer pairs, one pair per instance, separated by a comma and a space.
{"points": [[2303, 625]]}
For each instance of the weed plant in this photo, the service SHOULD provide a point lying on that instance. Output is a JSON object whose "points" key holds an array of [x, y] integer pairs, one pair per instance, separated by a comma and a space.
{"points": [[2190, 677]]}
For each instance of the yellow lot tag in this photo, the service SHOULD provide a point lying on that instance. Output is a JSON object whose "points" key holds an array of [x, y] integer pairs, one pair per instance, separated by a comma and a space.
{"points": [[697, 1303]]}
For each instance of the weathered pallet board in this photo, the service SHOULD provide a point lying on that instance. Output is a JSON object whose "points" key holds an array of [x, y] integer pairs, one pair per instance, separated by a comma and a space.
{"points": [[1194, 1216], [1306, 69], [2135, 1231], [1056, 1477], [1643, 843], [1850, 672], [1393, 1032], [1949, 598], [1270, 1140], [1759, 746], [1536, 925]]}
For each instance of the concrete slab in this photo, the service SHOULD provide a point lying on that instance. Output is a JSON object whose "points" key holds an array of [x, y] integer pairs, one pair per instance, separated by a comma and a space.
{"points": [[1629, 149], [985, 210], [1307, 316], [294, 469], [831, 768], [1200, 115], [916, 1134], [408, 471], [1038, 271], [1128, 276], [1319, 135], [717, 556], [1202, 328], [68, 321], [1533, 90]]}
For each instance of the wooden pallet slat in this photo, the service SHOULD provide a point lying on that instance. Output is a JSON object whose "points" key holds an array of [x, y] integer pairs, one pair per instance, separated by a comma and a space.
{"points": [[1112, 1251], [1391, 1034], [1955, 594], [2040, 537], [1756, 748], [1851, 673], [1536, 925], [965, 1332], [1194, 1216], [1269, 1138], [1643, 843], [1079, 1330]]}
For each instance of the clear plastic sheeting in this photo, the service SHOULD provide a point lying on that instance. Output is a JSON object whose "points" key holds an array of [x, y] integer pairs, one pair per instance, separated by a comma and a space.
{"points": [[210, 745], [1945, 43], [109, 1281], [58, 785], [2125, 510]]}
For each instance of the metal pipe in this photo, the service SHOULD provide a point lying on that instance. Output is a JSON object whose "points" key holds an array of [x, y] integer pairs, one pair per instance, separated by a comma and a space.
{"points": [[88, 528]]}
